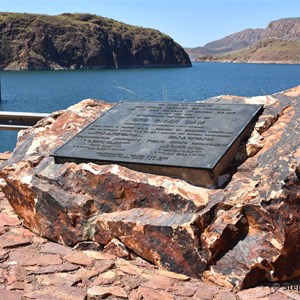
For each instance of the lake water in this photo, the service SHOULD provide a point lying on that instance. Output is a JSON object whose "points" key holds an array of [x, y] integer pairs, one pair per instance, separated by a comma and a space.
{"points": [[47, 91]]}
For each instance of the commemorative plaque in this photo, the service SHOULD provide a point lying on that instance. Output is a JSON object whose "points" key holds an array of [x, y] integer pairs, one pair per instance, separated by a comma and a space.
{"points": [[192, 141]]}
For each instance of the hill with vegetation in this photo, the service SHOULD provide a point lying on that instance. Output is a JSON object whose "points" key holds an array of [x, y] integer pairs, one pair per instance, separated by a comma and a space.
{"points": [[279, 43], [74, 41], [266, 51]]}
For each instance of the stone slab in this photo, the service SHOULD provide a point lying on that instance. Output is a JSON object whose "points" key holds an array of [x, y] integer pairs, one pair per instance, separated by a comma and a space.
{"points": [[193, 141]]}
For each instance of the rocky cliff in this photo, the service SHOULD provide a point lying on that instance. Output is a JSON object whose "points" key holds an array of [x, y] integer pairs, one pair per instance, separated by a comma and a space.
{"points": [[278, 42], [29, 41], [235, 41], [286, 29], [242, 234]]}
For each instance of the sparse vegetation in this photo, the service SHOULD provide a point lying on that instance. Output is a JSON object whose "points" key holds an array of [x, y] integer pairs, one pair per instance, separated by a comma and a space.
{"points": [[32, 41], [278, 43], [269, 50]]}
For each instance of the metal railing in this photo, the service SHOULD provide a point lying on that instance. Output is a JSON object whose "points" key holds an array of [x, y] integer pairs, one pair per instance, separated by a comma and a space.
{"points": [[19, 120]]}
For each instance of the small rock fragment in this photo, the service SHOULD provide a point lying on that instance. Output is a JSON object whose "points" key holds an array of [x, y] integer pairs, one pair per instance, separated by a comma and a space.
{"points": [[85, 274], [159, 282], [106, 278], [14, 241], [98, 255], [6, 220], [115, 247], [45, 260], [54, 248], [150, 294], [79, 258], [173, 275], [255, 293], [65, 267], [88, 245], [104, 265], [103, 292], [184, 291]]}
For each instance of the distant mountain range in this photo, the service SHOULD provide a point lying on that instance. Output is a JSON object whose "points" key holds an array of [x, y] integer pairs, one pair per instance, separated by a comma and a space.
{"points": [[278, 43], [82, 41]]}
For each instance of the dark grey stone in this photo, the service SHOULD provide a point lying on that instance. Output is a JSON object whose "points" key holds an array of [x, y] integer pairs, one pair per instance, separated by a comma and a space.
{"points": [[175, 139]]}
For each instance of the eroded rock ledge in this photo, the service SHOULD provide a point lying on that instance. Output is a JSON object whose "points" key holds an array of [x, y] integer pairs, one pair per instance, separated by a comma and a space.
{"points": [[238, 236]]}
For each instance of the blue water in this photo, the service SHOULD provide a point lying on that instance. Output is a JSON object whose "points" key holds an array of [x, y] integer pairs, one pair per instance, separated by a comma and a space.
{"points": [[47, 91]]}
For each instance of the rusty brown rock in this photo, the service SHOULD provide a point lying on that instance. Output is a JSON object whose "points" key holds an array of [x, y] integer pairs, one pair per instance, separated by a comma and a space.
{"points": [[16, 273], [204, 294], [151, 294], [157, 236], [115, 247], [6, 220], [99, 255], [237, 236], [45, 260], [10, 295], [54, 248], [79, 258], [173, 275], [255, 293], [184, 291], [106, 278], [98, 292], [134, 295], [128, 268], [57, 292], [57, 279], [104, 265], [65, 267], [13, 241], [224, 295], [159, 282], [88, 245]]}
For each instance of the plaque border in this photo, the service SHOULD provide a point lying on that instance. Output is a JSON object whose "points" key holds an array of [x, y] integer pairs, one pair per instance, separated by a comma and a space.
{"points": [[64, 158]]}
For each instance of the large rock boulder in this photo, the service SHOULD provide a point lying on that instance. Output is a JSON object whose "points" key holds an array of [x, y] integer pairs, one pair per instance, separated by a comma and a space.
{"points": [[239, 235]]}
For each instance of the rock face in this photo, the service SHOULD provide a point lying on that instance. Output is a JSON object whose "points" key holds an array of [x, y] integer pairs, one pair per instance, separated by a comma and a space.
{"points": [[288, 29], [283, 29], [30, 42], [278, 42], [237, 236], [235, 41]]}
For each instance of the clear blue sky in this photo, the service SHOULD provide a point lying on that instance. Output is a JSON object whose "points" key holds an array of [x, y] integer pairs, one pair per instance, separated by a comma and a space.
{"points": [[191, 23]]}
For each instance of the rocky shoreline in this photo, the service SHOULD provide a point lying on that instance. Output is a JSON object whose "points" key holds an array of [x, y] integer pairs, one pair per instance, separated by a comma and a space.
{"points": [[249, 62], [102, 67]]}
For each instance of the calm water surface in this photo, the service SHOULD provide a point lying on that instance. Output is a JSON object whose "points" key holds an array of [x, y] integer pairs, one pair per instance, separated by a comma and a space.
{"points": [[47, 91]]}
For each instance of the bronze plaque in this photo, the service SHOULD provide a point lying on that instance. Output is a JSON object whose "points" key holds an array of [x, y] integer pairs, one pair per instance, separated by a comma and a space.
{"points": [[155, 136]]}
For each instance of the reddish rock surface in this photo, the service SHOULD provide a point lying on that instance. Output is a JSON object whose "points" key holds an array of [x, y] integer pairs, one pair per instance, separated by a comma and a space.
{"points": [[238, 236], [134, 279]]}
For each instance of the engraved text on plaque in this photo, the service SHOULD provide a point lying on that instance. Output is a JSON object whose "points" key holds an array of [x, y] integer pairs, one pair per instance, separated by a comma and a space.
{"points": [[194, 141]]}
